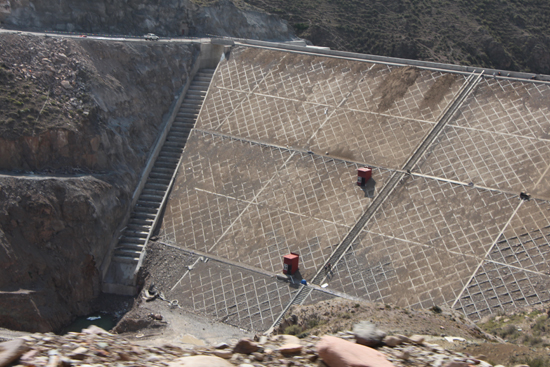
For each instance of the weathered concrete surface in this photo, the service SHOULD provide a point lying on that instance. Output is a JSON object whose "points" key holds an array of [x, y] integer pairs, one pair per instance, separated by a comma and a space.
{"points": [[249, 192], [254, 204], [499, 139]]}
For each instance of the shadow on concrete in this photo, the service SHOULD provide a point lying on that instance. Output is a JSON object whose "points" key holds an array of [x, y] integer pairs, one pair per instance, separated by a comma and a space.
{"points": [[295, 279], [369, 188]]}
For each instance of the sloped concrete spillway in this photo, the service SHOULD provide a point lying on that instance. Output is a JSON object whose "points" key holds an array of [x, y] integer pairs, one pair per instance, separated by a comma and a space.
{"points": [[270, 168]]}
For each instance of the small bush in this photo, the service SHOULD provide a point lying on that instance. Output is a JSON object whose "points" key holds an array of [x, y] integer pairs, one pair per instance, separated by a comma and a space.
{"points": [[293, 330], [311, 323], [436, 309], [509, 331]]}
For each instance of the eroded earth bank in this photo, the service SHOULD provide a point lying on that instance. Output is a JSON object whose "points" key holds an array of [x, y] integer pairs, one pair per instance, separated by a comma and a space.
{"points": [[78, 119]]}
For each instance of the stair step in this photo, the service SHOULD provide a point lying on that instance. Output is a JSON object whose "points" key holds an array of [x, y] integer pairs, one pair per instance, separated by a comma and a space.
{"points": [[182, 121], [153, 193], [168, 157], [140, 221], [131, 246], [148, 204], [125, 259], [202, 78], [127, 252], [191, 106], [197, 89], [138, 227], [187, 114], [150, 197], [159, 181], [168, 149], [162, 170], [171, 159], [144, 215], [200, 83], [193, 98], [160, 175], [163, 164], [176, 143], [133, 233], [134, 240], [182, 127]]}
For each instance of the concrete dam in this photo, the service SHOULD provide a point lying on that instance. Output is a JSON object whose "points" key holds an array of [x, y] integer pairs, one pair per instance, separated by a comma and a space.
{"points": [[456, 212]]}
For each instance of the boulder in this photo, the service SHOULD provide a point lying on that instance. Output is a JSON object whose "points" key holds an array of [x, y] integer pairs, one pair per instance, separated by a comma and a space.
{"points": [[223, 353], [11, 351], [366, 333], [200, 361], [392, 341], [417, 339], [290, 348], [245, 346], [337, 352]]}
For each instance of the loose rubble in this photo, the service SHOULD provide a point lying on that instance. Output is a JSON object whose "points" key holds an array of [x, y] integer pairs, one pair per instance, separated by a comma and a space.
{"points": [[94, 346]]}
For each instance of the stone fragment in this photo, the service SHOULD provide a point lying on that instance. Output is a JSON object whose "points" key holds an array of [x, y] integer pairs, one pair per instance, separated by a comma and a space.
{"points": [[245, 346], [124, 356], [95, 330], [223, 353], [221, 346], [27, 358], [481, 356], [392, 341], [258, 356], [337, 352], [366, 333], [521, 365], [11, 351], [79, 353], [200, 361], [288, 339], [66, 84], [417, 339], [290, 348], [263, 339], [403, 354]]}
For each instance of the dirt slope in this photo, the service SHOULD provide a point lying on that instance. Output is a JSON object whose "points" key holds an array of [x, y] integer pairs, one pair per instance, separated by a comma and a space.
{"points": [[80, 118], [510, 35]]}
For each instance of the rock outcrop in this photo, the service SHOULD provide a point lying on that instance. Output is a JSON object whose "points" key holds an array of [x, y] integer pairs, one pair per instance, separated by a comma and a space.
{"points": [[68, 175], [168, 18]]}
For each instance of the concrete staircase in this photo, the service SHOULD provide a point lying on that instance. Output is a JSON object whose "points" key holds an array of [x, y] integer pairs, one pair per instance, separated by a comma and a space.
{"points": [[121, 276]]}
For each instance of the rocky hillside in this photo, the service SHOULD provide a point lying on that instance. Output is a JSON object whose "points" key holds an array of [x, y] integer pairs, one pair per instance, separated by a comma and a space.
{"points": [[167, 18], [79, 117], [378, 336], [504, 34]]}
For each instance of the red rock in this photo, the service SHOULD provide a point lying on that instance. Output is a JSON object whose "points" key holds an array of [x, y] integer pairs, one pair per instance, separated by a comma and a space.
{"points": [[245, 346], [337, 352]]}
